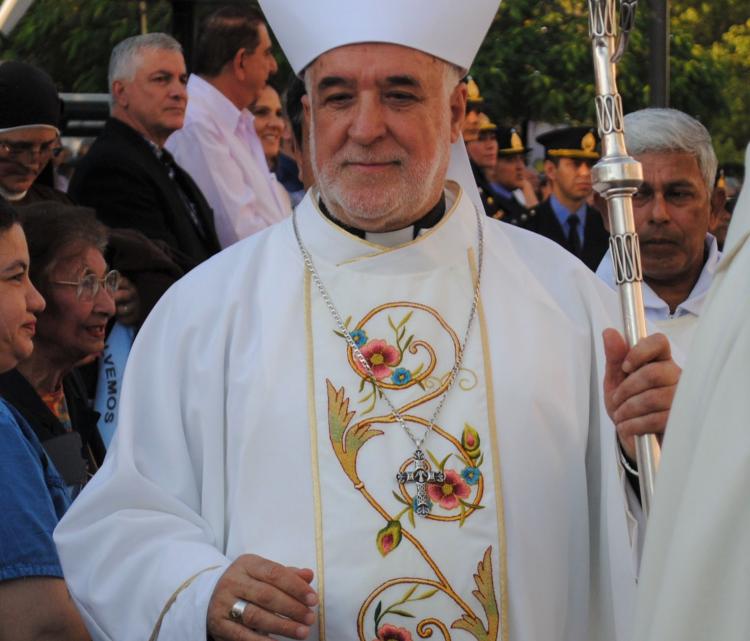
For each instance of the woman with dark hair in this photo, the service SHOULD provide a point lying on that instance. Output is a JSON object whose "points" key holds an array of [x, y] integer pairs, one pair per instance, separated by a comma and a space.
{"points": [[66, 246], [34, 601]]}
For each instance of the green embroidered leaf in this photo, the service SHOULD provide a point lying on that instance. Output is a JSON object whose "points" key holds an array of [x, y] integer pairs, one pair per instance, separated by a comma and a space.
{"points": [[339, 334], [463, 514], [402, 613], [425, 595], [433, 459], [406, 346], [485, 594], [390, 322], [421, 384], [442, 463], [480, 461], [378, 609], [411, 517], [405, 319], [407, 594], [401, 333], [419, 367], [400, 498], [347, 321], [362, 385], [346, 442], [475, 506]]}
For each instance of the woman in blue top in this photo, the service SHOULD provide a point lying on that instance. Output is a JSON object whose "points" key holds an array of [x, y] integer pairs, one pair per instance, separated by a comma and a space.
{"points": [[34, 600]]}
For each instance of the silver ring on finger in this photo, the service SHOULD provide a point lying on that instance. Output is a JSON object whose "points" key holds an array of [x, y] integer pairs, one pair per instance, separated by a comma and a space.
{"points": [[238, 609]]}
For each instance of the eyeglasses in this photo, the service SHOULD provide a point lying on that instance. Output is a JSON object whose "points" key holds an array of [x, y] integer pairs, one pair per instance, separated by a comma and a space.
{"points": [[27, 151], [88, 285]]}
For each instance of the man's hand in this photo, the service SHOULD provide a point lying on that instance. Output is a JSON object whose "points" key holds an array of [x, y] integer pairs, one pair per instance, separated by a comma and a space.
{"points": [[639, 385], [279, 601]]}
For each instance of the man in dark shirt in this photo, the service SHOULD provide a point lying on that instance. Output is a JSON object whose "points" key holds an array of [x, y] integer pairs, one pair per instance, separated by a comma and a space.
{"points": [[127, 176]]}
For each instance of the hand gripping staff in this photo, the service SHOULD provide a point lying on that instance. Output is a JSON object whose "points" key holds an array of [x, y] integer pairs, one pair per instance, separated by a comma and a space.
{"points": [[616, 177]]}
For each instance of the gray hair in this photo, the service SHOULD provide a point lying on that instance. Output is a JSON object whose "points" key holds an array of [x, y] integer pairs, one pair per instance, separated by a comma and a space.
{"points": [[126, 55], [663, 130]]}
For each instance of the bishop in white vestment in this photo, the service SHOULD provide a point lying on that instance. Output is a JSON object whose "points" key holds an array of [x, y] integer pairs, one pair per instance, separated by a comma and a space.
{"points": [[246, 426], [257, 428]]}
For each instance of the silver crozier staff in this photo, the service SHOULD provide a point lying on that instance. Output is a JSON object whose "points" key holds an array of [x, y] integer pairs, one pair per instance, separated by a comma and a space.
{"points": [[617, 177]]}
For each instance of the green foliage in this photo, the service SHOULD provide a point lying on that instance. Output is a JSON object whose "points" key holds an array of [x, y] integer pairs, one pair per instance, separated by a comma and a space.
{"points": [[72, 39], [535, 64]]}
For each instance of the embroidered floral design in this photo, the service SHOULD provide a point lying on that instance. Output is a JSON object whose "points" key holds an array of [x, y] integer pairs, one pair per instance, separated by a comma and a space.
{"points": [[390, 632], [389, 537], [470, 441], [448, 493], [459, 496], [471, 475], [380, 357], [401, 376]]}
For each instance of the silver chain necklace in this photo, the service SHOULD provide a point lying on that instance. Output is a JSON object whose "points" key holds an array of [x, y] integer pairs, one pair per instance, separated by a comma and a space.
{"points": [[420, 475]]}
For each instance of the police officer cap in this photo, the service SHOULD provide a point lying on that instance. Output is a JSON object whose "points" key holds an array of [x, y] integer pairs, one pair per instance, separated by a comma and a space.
{"points": [[570, 142], [509, 142]]}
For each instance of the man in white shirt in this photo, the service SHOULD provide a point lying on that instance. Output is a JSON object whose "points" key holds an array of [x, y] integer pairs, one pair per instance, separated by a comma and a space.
{"points": [[218, 144], [673, 211]]}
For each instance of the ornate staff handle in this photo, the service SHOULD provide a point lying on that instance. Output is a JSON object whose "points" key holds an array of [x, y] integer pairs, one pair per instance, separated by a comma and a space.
{"points": [[617, 177]]}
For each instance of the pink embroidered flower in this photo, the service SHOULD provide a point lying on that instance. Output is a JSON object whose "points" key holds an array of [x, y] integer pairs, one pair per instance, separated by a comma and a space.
{"points": [[389, 537], [390, 632], [447, 493], [381, 357]]}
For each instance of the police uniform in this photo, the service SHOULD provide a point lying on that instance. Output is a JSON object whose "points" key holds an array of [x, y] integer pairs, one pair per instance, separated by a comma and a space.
{"points": [[509, 209], [484, 127], [576, 143]]}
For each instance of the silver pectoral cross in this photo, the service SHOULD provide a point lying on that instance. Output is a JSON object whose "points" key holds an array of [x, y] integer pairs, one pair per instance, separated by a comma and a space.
{"points": [[421, 476]]}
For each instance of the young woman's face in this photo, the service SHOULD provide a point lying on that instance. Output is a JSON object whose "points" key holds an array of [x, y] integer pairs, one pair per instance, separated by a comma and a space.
{"points": [[20, 302]]}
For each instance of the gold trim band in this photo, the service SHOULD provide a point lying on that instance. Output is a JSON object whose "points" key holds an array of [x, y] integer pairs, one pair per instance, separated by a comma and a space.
{"points": [[496, 468], [573, 153], [170, 602], [314, 459]]}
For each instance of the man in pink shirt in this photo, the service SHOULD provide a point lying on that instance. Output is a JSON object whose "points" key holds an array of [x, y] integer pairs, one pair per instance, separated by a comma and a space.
{"points": [[218, 144]]}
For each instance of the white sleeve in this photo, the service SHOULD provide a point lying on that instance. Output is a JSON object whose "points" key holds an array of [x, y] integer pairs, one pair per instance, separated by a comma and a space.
{"points": [[142, 546]]}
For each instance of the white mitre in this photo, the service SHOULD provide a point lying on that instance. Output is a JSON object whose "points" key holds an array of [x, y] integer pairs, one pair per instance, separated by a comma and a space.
{"points": [[446, 29]]}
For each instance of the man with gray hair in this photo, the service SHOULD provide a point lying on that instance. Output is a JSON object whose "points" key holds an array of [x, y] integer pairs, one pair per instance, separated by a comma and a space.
{"points": [[673, 211], [127, 176], [335, 443]]}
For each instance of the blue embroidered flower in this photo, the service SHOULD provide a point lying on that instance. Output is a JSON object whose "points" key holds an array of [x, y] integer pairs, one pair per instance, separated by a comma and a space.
{"points": [[359, 337], [471, 475], [401, 376]]}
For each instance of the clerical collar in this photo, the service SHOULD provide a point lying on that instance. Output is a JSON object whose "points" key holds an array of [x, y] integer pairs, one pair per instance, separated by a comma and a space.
{"points": [[399, 236]]}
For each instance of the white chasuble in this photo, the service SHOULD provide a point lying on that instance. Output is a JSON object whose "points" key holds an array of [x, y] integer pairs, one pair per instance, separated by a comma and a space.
{"points": [[247, 427]]}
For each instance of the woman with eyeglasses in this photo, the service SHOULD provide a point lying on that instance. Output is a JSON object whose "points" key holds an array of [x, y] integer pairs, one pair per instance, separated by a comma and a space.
{"points": [[66, 246], [34, 600]]}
